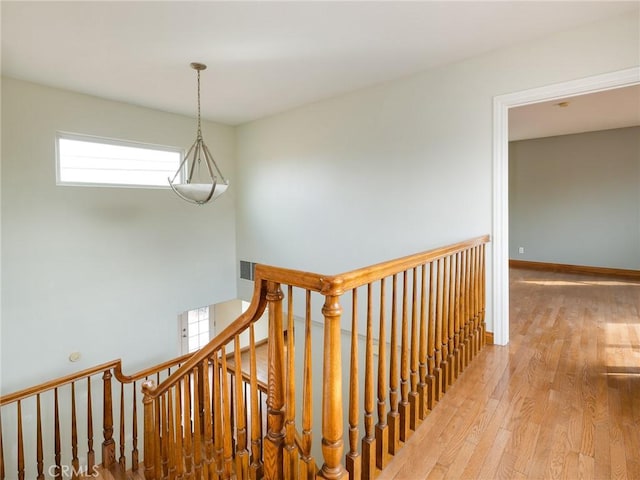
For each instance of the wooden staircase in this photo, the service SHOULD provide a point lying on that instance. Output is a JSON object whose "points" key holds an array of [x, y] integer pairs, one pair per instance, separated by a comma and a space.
{"points": [[296, 408]]}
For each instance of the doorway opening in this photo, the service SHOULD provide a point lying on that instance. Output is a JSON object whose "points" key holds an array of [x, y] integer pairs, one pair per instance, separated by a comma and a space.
{"points": [[500, 229]]}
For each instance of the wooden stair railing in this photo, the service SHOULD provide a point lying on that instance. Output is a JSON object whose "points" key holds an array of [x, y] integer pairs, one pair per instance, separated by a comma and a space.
{"points": [[62, 443], [199, 425]]}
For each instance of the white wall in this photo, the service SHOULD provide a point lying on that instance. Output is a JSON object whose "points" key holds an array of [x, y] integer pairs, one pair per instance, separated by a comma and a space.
{"points": [[102, 271], [400, 167], [575, 199]]}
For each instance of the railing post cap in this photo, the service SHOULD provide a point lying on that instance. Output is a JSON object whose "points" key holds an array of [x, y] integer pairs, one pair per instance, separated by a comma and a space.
{"points": [[148, 386]]}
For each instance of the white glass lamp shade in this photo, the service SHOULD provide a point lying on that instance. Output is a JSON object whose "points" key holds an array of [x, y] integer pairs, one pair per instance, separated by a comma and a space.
{"points": [[200, 192]]}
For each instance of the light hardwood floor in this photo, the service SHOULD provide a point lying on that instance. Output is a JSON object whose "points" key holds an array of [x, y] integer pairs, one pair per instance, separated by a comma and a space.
{"points": [[562, 400]]}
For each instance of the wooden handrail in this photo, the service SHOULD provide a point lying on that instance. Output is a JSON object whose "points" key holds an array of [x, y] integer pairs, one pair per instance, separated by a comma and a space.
{"points": [[58, 382], [356, 278], [336, 285], [149, 371], [116, 365]]}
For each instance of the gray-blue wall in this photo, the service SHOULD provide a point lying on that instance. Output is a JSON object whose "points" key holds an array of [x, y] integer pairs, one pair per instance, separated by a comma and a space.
{"points": [[575, 199]]}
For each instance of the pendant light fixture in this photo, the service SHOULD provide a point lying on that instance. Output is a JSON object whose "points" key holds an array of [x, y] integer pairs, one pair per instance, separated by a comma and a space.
{"points": [[198, 179]]}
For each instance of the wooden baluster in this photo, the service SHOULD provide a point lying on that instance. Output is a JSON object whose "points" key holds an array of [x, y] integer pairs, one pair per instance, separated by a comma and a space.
{"points": [[290, 449], [122, 460], [404, 366], [431, 335], [444, 337], [232, 377], [226, 411], [134, 431], [382, 430], [478, 300], [414, 399], [2, 468], [170, 440], [451, 359], [202, 368], [468, 305], [56, 436], [247, 422], [165, 442], [75, 463], [456, 321], [450, 322], [180, 431], [437, 371], [91, 455], [393, 417], [332, 420], [483, 295], [217, 415], [256, 470], [422, 351], [369, 440], [207, 422], [474, 298], [232, 405], [474, 302], [308, 464], [464, 317], [242, 454], [149, 434], [39, 454], [459, 329], [273, 460], [354, 460], [197, 432], [20, 444], [158, 459], [108, 445], [187, 430]]}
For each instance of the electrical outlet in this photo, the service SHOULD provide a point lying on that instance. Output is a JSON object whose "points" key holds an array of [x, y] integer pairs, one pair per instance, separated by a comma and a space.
{"points": [[520, 249]]}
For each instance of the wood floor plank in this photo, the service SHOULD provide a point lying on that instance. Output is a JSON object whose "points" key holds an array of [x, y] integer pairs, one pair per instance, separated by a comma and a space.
{"points": [[526, 448], [585, 467], [460, 461], [558, 452], [476, 461], [494, 454], [506, 468]]}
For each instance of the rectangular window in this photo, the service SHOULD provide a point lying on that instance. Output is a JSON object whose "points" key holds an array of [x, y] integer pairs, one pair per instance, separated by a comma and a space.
{"points": [[86, 160]]}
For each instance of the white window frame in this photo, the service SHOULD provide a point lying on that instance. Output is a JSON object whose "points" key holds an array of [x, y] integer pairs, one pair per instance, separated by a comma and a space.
{"points": [[113, 142], [186, 331]]}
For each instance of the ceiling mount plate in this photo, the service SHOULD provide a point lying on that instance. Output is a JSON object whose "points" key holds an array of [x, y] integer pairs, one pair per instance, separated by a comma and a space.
{"points": [[198, 66]]}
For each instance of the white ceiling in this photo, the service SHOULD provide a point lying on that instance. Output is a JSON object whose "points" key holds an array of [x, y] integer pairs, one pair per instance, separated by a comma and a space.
{"points": [[263, 57], [616, 108]]}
